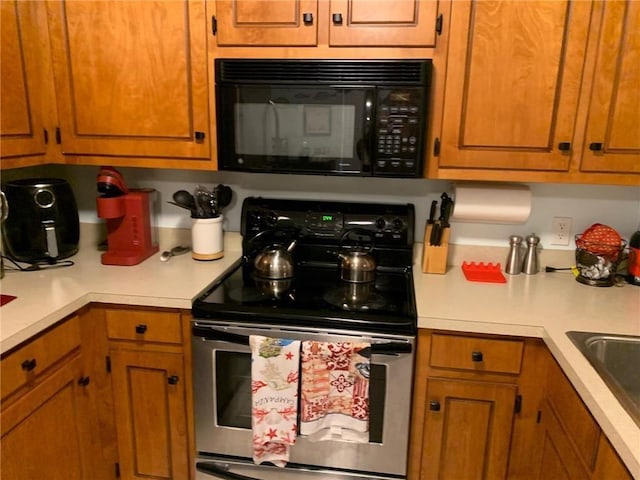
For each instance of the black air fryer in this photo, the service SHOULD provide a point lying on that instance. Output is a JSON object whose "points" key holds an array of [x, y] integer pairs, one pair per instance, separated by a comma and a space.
{"points": [[43, 222]]}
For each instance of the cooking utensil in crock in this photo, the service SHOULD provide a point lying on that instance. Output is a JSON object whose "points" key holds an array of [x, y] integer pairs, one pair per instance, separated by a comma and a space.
{"points": [[184, 199]]}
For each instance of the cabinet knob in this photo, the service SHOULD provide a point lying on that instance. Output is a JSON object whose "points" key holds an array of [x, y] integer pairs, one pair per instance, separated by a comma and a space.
{"points": [[564, 146], [83, 381], [141, 328], [595, 147], [28, 365], [307, 18], [173, 380], [434, 406], [199, 136], [476, 357], [337, 18]]}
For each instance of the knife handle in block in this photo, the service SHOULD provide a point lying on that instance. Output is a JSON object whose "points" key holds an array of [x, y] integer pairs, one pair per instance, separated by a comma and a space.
{"points": [[434, 257]]}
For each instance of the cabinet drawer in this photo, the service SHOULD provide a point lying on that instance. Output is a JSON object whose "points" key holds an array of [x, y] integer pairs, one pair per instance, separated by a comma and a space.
{"points": [[28, 361], [144, 325], [476, 354]]}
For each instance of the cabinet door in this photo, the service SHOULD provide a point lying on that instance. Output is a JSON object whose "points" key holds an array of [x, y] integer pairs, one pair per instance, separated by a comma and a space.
{"points": [[612, 141], [22, 128], [267, 22], [512, 84], [44, 431], [131, 77], [383, 23], [151, 419], [559, 458], [467, 429]]}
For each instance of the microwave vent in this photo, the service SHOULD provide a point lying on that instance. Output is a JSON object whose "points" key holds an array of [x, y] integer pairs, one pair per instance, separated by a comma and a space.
{"points": [[324, 72]]}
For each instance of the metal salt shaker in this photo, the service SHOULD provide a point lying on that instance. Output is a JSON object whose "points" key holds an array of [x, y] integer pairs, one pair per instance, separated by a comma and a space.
{"points": [[530, 263], [514, 264]]}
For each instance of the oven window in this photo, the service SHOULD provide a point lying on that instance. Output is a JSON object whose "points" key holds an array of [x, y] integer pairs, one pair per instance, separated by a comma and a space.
{"points": [[233, 393], [233, 389]]}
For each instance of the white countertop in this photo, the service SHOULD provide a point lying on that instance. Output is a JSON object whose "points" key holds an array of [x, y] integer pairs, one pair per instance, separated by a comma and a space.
{"points": [[545, 305]]}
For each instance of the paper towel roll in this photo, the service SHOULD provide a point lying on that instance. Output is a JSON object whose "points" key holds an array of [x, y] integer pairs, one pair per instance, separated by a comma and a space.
{"points": [[495, 203]]}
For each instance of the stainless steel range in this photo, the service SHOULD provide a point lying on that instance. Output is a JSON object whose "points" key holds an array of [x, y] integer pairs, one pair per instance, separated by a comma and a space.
{"points": [[311, 270]]}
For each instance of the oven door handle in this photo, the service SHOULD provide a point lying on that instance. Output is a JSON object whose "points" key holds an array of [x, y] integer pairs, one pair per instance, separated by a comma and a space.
{"points": [[213, 334], [386, 348], [212, 469]]}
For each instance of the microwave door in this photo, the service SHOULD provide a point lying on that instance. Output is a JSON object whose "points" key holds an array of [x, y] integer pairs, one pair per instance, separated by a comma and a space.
{"points": [[293, 129]]}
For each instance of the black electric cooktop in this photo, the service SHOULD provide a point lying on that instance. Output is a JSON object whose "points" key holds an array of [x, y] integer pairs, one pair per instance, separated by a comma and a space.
{"points": [[315, 297]]}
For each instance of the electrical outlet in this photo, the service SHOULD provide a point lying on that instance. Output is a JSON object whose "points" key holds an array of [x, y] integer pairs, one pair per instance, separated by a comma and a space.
{"points": [[561, 231]]}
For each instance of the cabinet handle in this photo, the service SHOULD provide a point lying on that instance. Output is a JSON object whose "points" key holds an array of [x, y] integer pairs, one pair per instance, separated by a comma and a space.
{"points": [[434, 406], [476, 357], [173, 380], [337, 18], [595, 147], [564, 146], [141, 329], [83, 381], [29, 365], [307, 18]]}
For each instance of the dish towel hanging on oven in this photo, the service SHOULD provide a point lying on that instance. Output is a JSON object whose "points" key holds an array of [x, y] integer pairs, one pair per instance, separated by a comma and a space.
{"points": [[274, 397], [334, 403]]}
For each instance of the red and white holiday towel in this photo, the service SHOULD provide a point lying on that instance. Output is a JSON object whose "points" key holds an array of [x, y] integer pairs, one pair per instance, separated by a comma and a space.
{"points": [[274, 397], [335, 391]]}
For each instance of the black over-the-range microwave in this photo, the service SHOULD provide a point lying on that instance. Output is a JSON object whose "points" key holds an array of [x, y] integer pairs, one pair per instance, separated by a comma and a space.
{"points": [[329, 117]]}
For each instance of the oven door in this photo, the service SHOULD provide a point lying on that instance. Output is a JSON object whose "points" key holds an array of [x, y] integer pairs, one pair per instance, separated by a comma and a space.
{"points": [[222, 383], [295, 129]]}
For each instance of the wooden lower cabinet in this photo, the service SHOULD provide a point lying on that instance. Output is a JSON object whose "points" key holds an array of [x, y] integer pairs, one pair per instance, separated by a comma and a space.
{"points": [[45, 430], [467, 394], [151, 420], [559, 459], [149, 356], [497, 407], [467, 429], [573, 445]]}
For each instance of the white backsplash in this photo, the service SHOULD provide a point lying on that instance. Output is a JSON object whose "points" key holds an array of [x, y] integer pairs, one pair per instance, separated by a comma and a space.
{"points": [[616, 206]]}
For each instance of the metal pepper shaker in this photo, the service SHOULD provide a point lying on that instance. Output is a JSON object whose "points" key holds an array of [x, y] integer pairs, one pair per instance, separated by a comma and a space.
{"points": [[530, 263], [514, 263]]}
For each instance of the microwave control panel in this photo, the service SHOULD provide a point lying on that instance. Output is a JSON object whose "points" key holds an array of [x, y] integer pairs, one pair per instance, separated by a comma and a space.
{"points": [[399, 133]]}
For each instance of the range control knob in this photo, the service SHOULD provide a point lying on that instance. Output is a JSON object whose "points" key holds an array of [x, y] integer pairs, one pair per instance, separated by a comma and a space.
{"points": [[381, 223], [398, 224]]}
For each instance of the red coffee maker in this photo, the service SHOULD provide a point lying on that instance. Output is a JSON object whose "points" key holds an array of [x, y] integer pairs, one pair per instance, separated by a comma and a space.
{"points": [[130, 219]]}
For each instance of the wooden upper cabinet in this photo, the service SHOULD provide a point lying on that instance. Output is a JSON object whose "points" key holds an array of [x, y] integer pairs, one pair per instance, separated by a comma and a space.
{"points": [[267, 22], [612, 140], [22, 127], [383, 23], [354, 23], [512, 84], [131, 77]]}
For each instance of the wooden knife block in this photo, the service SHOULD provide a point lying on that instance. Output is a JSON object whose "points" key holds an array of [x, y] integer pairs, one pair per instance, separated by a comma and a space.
{"points": [[434, 257]]}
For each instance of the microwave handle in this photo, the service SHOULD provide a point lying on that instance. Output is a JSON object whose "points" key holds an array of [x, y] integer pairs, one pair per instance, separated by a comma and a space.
{"points": [[212, 469], [385, 348], [364, 148]]}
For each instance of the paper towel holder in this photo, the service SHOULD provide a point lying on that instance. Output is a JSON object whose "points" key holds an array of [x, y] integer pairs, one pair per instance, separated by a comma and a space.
{"points": [[495, 203]]}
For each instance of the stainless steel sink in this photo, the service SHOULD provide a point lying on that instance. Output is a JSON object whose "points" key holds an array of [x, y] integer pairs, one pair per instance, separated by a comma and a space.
{"points": [[617, 359]]}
